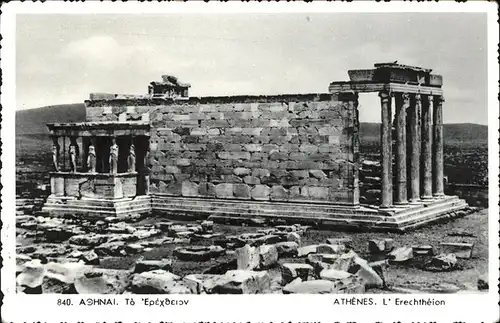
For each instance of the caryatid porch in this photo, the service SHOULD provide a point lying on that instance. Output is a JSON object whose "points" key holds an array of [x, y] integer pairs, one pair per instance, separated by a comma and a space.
{"points": [[418, 130], [110, 165]]}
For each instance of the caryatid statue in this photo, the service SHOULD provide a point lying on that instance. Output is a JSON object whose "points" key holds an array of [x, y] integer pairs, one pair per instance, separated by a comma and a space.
{"points": [[72, 158], [91, 160], [113, 157], [55, 153], [131, 159]]}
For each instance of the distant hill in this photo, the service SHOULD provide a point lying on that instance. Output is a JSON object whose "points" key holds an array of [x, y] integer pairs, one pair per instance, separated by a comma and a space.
{"points": [[33, 121], [454, 133]]}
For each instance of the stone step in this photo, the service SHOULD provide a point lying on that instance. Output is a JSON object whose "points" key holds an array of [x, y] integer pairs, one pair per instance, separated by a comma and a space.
{"points": [[268, 211], [61, 211], [256, 205]]}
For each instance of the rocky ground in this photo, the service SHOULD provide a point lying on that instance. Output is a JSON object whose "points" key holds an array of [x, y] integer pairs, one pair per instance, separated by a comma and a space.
{"points": [[155, 255]]}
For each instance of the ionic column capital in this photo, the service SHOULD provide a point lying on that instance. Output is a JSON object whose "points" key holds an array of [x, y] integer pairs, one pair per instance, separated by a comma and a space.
{"points": [[418, 97], [430, 98]]}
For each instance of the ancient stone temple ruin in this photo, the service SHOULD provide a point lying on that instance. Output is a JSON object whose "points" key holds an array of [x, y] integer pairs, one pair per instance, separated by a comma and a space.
{"points": [[292, 157]]}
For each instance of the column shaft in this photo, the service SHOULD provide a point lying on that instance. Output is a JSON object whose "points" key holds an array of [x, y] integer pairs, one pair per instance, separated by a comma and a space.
{"points": [[414, 113], [427, 147], [438, 172], [402, 103], [386, 150]]}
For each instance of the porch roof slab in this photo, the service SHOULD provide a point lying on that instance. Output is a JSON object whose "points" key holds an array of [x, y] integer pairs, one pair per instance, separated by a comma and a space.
{"points": [[99, 129], [370, 86]]}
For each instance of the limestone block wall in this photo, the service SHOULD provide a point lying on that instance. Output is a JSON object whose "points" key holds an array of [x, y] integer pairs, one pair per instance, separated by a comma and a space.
{"points": [[265, 148]]}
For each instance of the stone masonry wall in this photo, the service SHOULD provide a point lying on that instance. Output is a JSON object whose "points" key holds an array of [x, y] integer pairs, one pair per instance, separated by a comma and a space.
{"points": [[281, 148]]}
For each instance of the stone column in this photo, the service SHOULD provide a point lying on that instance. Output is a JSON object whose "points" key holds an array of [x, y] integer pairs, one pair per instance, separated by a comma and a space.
{"points": [[386, 149], [74, 153], [55, 152], [414, 114], [131, 157], [113, 157], [402, 104], [427, 147], [92, 156], [438, 172]]}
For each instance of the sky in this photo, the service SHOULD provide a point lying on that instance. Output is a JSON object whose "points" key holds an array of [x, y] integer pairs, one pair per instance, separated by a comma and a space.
{"points": [[63, 58]]}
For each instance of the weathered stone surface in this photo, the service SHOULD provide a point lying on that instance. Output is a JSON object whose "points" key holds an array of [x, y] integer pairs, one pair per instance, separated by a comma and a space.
{"points": [[290, 271], [150, 265], [268, 256], [88, 239], [248, 257], [189, 189], [241, 191], [157, 282], [423, 250], [116, 248], [330, 249], [201, 283], [260, 192], [207, 226], [370, 277], [224, 190], [311, 287], [198, 253], [442, 262], [102, 281], [90, 258], [306, 250], [401, 254], [287, 248], [380, 246], [335, 275], [295, 237], [32, 274], [347, 242], [461, 250], [242, 282]]}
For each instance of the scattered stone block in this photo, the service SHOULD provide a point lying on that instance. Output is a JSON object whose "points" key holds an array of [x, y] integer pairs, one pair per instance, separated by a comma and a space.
{"points": [[306, 250], [287, 248], [198, 253], [88, 239], [134, 248], [32, 274], [201, 283], [90, 258], [401, 254], [157, 282], [150, 265], [248, 258], [295, 237], [242, 282], [380, 246], [102, 281], [442, 262], [335, 275], [330, 248], [268, 256], [370, 277], [347, 242], [290, 271], [311, 287], [461, 250], [207, 226], [423, 250]]}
